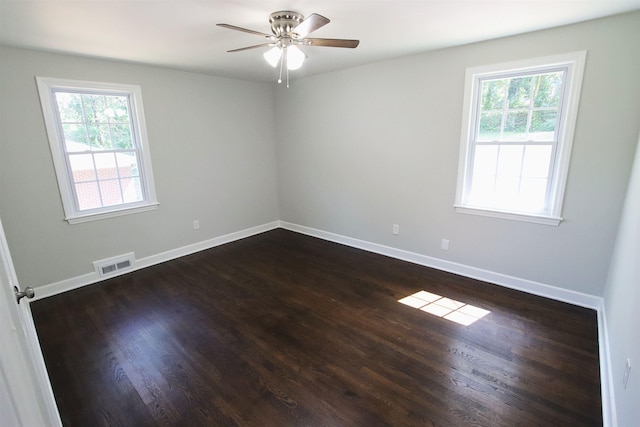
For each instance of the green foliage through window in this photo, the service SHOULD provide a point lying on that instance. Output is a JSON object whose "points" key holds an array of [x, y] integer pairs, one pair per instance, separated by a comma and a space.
{"points": [[94, 121], [520, 108]]}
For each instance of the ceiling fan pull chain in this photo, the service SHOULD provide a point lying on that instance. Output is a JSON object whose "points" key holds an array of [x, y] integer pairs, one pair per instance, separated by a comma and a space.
{"points": [[285, 55], [281, 62], [280, 76]]}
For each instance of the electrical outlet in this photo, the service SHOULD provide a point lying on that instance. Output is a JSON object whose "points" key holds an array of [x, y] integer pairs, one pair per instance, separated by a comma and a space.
{"points": [[196, 224], [627, 370], [396, 229], [445, 245]]}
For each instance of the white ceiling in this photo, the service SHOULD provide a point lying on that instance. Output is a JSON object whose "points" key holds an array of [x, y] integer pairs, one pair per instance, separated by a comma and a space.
{"points": [[182, 34]]}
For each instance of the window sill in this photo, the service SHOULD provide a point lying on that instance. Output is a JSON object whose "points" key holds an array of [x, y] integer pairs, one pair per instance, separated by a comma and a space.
{"points": [[536, 219], [78, 219]]}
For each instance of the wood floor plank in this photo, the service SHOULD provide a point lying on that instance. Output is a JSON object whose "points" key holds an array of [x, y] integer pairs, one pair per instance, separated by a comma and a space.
{"points": [[282, 329]]}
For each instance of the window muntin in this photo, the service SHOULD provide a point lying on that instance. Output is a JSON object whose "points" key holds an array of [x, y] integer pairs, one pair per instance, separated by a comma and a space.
{"points": [[98, 141], [520, 107], [100, 149], [517, 138]]}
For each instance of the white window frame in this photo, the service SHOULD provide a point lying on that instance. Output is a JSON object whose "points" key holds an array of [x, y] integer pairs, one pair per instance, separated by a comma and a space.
{"points": [[573, 63], [46, 88]]}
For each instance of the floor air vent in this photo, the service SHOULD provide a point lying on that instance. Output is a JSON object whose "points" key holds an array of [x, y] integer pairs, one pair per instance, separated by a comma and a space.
{"points": [[111, 266]]}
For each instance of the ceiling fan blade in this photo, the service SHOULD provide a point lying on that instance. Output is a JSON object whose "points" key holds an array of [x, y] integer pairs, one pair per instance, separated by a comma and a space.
{"points": [[310, 24], [245, 30], [251, 47], [333, 42]]}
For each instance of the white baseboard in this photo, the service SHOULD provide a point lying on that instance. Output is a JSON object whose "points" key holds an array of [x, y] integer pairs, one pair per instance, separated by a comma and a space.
{"points": [[540, 289], [553, 292], [609, 416], [91, 278], [576, 298], [207, 244]]}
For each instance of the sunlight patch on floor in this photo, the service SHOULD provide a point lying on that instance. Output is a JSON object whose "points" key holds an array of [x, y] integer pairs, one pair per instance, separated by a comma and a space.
{"points": [[456, 311]]}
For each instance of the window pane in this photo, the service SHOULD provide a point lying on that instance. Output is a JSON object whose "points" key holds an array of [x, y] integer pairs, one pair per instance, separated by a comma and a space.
{"points": [[117, 109], [88, 196], [547, 90], [510, 160], [127, 164], [82, 167], [536, 161], [106, 165], [69, 107], [110, 191], [486, 159], [75, 137], [520, 92], [490, 126], [482, 189], [94, 107], [533, 193], [493, 94], [508, 177], [99, 137], [506, 192], [543, 125], [132, 190], [121, 136], [484, 173], [513, 177], [515, 126]]}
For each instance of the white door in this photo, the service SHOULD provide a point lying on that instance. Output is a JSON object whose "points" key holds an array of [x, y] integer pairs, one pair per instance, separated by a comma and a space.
{"points": [[26, 398]]}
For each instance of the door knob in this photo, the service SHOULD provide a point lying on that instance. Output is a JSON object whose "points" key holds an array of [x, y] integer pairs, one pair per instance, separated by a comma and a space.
{"points": [[28, 292]]}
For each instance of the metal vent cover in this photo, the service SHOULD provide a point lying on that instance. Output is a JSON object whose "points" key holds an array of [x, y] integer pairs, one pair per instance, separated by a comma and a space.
{"points": [[114, 265]]}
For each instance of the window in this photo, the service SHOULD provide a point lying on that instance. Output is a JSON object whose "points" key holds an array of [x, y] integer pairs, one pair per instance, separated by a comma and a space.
{"points": [[99, 147], [516, 138]]}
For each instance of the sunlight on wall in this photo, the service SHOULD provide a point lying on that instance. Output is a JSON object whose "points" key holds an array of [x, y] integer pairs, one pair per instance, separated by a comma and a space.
{"points": [[456, 311]]}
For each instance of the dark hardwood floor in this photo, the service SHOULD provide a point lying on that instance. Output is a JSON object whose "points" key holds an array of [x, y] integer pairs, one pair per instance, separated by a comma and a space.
{"points": [[282, 329]]}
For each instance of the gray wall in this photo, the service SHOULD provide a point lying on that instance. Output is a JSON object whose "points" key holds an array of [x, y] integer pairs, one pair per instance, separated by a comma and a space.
{"points": [[212, 148], [361, 149], [622, 304], [358, 150]]}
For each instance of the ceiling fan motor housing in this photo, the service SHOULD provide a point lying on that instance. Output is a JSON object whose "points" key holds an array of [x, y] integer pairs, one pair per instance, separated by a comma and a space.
{"points": [[283, 22]]}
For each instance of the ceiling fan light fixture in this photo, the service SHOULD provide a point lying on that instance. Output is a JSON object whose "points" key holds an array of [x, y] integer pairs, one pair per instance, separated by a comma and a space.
{"points": [[295, 57], [290, 30], [272, 56]]}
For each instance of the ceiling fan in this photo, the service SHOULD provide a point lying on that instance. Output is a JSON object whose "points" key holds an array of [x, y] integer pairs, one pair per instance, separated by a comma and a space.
{"points": [[290, 30]]}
